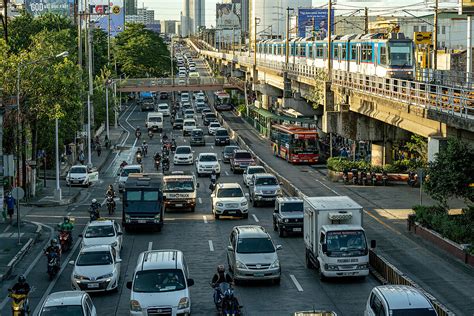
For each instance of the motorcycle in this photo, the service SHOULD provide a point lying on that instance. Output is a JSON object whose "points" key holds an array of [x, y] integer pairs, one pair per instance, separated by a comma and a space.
{"points": [[53, 264], [384, 178], [363, 177], [227, 304], [355, 176], [345, 176], [138, 134], [145, 150], [150, 134], [157, 164], [173, 145], [412, 179], [373, 178], [110, 204], [165, 151], [165, 166], [139, 158], [65, 240], [20, 306], [212, 185], [94, 214]]}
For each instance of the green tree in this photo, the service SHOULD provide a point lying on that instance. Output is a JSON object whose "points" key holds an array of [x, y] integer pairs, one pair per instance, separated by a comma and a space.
{"points": [[452, 173], [141, 53], [418, 145]]}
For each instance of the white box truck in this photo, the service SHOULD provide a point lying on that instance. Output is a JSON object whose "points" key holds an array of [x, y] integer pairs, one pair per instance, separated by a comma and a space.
{"points": [[335, 241]]}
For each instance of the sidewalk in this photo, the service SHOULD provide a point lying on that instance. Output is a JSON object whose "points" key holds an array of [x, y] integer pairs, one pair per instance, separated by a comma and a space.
{"points": [[11, 252], [71, 194]]}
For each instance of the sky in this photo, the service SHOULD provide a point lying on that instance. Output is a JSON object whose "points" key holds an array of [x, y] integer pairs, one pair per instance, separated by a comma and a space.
{"points": [[170, 9]]}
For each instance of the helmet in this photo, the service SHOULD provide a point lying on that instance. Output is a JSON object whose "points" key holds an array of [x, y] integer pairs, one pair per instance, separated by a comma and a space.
{"points": [[54, 242], [220, 268], [144, 142], [66, 219], [21, 279], [213, 171], [94, 200]]}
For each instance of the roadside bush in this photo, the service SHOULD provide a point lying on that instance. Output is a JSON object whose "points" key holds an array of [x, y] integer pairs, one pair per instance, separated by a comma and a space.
{"points": [[341, 163], [241, 109]]}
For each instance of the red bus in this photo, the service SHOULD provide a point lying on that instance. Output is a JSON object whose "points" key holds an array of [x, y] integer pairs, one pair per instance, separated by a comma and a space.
{"points": [[294, 143]]}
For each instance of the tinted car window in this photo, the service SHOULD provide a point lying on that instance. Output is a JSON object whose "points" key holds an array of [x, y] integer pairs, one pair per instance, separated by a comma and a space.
{"points": [[222, 132], [208, 158], [255, 245], [163, 280], [243, 155], [197, 133], [183, 150], [266, 181], [230, 192]]}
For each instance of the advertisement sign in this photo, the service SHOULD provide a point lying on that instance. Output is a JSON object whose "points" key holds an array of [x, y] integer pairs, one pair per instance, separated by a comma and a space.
{"points": [[423, 38], [466, 7], [40, 7], [314, 22], [228, 22], [100, 15]]}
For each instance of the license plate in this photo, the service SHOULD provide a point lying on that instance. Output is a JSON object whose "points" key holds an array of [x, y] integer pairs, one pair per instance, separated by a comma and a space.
{"points": [[141, 221], [178, 205], [258, 275], [296, 229], [268, 199], [232, 212], [93, 285], [76, 181]]}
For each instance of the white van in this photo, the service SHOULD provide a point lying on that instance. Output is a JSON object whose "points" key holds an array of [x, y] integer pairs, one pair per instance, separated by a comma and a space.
{"points": [[160, 284], [125, 172], [154, 121], [164, 109], [188, 126]]}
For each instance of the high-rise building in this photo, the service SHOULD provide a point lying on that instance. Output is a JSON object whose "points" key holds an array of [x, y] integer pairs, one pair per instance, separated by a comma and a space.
{"points": [[185, 19], [199, 14], [192, 16], [130, 7], [143, 16]]}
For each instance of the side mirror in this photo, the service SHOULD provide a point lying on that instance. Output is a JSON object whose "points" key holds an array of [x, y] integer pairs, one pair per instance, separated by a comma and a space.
{"points": [[324, 248], [247, 195], [129, 285], [190, 282], [373, 243], [281, 183], [71, 262], [230, 248], [80, 235], [119, 233], [213, 195], [197, 185], [278, 247]]}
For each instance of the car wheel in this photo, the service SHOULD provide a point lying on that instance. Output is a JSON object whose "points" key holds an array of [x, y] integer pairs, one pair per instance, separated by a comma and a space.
{"points": [[245, 216], [277, 281], [216, 216], [254, 203]]}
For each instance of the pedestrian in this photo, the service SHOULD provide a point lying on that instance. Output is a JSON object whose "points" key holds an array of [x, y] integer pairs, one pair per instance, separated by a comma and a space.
{"points": [[10, 202], [99, 149], [82, 159]]}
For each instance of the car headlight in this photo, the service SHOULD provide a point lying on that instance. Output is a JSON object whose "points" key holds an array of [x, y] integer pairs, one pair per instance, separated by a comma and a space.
{"points": [[331, 267], [363, 266], [183, 303], [240, 265], [135, 306], [105, 276], [79, 277], [275, 264], [157, 216], [258, 192], [244, 203], [219, 204], [286, 220]]}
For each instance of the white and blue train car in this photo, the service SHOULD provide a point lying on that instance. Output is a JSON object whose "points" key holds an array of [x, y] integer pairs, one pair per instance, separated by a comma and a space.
{"points": [[381, 55]]}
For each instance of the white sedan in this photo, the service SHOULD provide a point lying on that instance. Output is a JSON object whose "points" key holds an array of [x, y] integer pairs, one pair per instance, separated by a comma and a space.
{"points": [[96, 269], [103, 232], [68, 303], [183, 155], [213, 127]]}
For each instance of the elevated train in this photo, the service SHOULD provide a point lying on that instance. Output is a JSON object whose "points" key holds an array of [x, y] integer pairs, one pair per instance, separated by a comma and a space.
{"points": [[382, 55]]}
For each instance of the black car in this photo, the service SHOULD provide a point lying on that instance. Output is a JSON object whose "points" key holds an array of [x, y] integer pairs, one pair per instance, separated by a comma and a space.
{"points": [[208, 118], [288, 215], [228, 152], [197, 137], [222, 137], [205, 111], [163, 95], [178, 123]]}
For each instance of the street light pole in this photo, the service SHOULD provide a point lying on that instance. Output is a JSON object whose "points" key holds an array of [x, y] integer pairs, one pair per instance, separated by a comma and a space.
{"points": [[57, 191], [107, 109]]}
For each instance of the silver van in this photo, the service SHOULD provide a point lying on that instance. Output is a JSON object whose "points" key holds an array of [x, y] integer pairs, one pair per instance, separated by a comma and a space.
{"points": [[251, 254], [160, 284], [264, 188]]}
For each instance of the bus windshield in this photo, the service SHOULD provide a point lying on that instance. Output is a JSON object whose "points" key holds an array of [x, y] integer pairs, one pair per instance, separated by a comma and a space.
{"points": [[304, 146], [400, 54]]}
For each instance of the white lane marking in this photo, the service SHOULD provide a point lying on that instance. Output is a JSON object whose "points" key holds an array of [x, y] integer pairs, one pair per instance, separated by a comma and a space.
{"points": [[226, 173], [200, 200], [184, 140], [297, 284], [7, 228], [59, 216], [324, 185], [255, 218], [53, 283], [212, 146], [150, 245], [204, 217], [211, 245]]}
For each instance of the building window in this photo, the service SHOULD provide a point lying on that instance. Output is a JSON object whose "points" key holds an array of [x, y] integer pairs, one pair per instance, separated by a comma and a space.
{"points": [[423, 28], [415, 28], [443, 29], [443, 44]]}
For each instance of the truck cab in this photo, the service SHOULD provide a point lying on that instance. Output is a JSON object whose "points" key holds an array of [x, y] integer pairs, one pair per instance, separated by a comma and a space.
{"points": [[288, 215], [180, 191], [143, 201]]}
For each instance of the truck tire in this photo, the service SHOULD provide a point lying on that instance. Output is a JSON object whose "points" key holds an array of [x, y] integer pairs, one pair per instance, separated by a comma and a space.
{"points": [[309, 263], [281, 232], [193, 209], [245, 216], [321, 275]]}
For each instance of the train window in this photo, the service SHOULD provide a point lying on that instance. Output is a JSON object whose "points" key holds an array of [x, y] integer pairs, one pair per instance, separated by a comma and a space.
{"points": [[303, 50], [311, 51], [343, 52], [335, 54], [293, 50], [364, 52], [353, 52], [319, 51], [369, 52], [383, 55]]}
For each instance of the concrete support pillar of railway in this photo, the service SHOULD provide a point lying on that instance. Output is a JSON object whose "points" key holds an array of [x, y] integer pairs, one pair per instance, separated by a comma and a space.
{"points": [[266, 101], [435, 145], [381, 153]]}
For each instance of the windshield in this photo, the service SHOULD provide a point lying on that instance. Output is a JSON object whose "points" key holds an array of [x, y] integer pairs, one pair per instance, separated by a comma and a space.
{"points": [[197, 133], [189, 111], [230, 192], [346, 243], [243, 155], [230, 149], [413, 312], [304, 146], [148, 196], [70, 310], [178, 186], [183, 150], [255, 170], [214, 124], [178, 120], [208, 158], [76, 170], [126, 172], [190, 123], [96, 258], [154, 119], [266, 181], [400, 54], [291, 207], [255, 245], [210, 116], [153, 281], [163, 107], [222, 132], [100, 231]]}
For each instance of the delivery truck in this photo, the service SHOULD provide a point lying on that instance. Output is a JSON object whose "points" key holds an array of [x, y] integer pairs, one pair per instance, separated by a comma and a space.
{"points": [[335, 241]]}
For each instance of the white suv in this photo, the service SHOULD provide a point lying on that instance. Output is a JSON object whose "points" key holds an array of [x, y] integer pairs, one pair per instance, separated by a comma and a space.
{"points": [[206, 162], [188, 126], [229, 199], [164, 109], [183, 155], [160, 284]]}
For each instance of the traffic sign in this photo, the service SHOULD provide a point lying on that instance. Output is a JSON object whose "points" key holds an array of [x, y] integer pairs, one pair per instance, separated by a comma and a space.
{"points": [[422, 37], [18, 193]]}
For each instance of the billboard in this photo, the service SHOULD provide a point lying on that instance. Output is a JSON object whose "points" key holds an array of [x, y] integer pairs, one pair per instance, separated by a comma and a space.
{"points": [[229, 22], [100, 15], [466, 7], [39, 7], [314, 22]]}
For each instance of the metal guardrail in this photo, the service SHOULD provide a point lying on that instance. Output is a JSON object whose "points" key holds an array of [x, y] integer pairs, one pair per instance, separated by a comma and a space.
{"points": [[156, 82], [453, 101]]}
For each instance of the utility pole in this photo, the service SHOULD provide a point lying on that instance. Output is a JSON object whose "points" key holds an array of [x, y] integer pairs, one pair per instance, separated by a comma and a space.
{"points": [[287, 40], [435, 37], [5, 20], [108, 36], [257, 20], [469, 49], [89, 96], [366, 20], [329, 50]]}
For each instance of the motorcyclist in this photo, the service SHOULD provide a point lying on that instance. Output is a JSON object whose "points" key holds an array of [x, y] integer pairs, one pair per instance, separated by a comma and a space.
{"points": [[220, 277], [165, 163], [123, 164], [164, 138], [213, 180], [95, 207], [138, 132], [157, 156], [110, 191], [145, 147], [21, 287], [54, 248], [66, 225]]}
